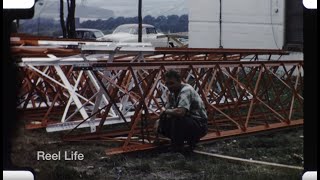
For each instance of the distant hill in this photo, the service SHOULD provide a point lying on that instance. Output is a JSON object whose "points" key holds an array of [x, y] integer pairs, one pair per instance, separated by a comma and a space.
{"points": [[50, 9]]}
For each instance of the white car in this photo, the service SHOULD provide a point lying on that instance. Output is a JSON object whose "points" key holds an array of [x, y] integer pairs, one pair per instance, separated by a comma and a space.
{"points": [[88, 34], [129, 33]]}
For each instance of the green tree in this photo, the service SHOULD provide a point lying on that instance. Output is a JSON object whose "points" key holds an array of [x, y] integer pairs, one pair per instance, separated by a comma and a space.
{"points": [[149, 20]]}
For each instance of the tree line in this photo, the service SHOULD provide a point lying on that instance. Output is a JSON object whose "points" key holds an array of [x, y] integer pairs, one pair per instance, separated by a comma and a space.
{"points": [[51, 27]]}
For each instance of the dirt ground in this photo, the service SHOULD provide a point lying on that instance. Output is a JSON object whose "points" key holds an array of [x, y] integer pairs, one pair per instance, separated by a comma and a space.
{"points": [[284, 147]]}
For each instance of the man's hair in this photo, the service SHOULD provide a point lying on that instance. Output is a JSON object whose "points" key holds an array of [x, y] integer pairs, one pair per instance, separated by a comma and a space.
{"points": [[173, 74]]}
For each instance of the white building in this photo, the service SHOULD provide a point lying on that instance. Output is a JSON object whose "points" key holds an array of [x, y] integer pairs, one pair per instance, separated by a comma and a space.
{"points": [[252, 24]]}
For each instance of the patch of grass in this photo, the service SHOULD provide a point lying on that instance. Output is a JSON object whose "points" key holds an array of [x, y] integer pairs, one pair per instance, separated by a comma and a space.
{"points": [[178, 164], [60, 172], [222, 169], [192, 167], [142, 167], [285, 147]]}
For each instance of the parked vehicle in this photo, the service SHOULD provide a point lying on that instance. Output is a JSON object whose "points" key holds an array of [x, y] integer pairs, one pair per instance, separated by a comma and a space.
{"points": [[88, 34], [129, 33]]}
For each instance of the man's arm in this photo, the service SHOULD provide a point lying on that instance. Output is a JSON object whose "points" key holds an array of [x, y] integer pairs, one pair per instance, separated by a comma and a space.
{"points": [[178, 112]]}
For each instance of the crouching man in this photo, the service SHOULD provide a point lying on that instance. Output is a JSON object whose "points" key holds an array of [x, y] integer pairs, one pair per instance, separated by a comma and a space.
{"points": [[185, 117]]}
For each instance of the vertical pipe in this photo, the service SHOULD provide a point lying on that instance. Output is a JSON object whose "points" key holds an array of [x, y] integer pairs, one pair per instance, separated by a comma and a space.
{"points": [[285, 20], [220, 26], [140, 21]]}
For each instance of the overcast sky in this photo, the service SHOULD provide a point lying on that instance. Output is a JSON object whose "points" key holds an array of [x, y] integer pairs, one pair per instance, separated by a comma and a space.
{"points": [[128, 8], [150, 7]]}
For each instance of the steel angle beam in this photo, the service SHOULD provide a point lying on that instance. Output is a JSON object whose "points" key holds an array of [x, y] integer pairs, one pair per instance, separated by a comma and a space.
{"points": [[183, 64], [73, 124], [116, 49], [222, 50]]}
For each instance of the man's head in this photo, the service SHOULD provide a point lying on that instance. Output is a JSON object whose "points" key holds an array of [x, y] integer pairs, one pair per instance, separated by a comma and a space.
{"points": [[173, 80]]}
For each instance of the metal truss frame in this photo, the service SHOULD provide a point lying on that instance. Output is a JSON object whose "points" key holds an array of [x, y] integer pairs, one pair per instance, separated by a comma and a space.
{"points": [[118, 91]]}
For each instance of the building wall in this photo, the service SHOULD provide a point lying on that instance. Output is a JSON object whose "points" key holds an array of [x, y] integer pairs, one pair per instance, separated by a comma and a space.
{"points": [[253, 24]]}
